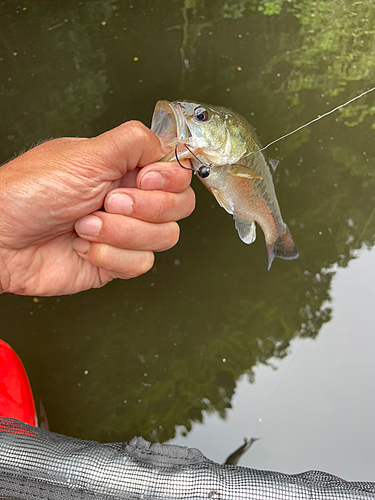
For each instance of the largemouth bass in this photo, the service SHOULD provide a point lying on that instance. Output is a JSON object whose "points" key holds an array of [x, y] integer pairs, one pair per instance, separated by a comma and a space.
{"points": [[224, 150], [38, 464]]}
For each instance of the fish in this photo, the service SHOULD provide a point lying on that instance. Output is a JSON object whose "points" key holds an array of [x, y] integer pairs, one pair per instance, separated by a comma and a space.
{"points": [[226, 154], [35, 463], [234, 457]]}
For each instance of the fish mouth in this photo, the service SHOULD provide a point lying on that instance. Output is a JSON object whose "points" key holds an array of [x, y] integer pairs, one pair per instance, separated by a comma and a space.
{"points": [[168, 122]]}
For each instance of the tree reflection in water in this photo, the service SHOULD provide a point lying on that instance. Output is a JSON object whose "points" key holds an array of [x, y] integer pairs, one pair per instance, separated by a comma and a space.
{"points": [[163, 349]]}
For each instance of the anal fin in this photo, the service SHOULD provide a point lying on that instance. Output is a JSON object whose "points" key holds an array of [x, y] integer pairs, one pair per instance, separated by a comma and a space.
{"points": [[246, 229]]}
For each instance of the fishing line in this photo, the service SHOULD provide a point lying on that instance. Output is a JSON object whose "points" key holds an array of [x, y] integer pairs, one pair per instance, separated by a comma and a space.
{"points": [[312, 121]]}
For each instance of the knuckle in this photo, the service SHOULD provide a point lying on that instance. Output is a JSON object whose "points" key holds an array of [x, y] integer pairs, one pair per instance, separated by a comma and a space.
{"points": [[138, 130], [185, 203], [162, 206], [128, 237], [174, 234], [102, 254], [145, 262], [168, 237], [190, 202]]}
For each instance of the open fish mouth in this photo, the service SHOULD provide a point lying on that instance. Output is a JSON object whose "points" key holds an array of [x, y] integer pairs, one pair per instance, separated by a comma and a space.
{"points": [[169, 123]]}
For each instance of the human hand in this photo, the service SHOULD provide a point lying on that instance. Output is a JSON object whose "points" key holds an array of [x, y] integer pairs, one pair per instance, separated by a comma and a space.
{"points": [[55, 191]]}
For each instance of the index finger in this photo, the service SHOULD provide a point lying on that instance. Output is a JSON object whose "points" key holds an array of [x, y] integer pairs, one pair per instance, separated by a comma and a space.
{"points": [[164, 176]]}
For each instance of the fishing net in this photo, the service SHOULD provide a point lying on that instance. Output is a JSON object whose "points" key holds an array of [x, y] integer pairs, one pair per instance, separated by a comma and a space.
{"points": [[37, 464]]}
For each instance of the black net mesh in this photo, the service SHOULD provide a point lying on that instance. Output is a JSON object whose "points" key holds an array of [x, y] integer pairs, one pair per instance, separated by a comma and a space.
{"points": [[37, 464]]}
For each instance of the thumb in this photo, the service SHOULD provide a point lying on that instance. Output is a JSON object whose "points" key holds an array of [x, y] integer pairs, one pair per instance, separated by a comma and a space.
{"points": [[126, 147]]}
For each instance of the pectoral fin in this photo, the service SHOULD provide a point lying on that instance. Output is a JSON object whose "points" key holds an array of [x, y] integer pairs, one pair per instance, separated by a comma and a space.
{"points": [[246, 229], [242, 171], [226, 203]]}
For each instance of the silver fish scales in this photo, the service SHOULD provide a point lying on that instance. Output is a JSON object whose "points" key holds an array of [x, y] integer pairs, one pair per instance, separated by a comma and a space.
{"points": [[35, 463]]}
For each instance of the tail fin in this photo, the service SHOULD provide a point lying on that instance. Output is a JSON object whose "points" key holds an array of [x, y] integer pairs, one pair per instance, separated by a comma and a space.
{"points": [[283, 247]]}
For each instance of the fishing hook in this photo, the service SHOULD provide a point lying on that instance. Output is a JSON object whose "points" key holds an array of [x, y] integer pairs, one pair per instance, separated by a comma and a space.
{"points": [[181, 165], [203, 171]]}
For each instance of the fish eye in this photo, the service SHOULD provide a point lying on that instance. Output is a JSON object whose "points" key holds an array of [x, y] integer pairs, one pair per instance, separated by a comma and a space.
{"points": [[203, 171], [201, 114]]}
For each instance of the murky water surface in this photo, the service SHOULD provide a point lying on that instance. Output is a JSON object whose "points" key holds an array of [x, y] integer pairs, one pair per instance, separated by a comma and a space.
{"points": [[189, 342]]}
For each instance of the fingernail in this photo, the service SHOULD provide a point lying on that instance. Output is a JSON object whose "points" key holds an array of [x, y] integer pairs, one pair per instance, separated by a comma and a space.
{"points": [[119, 203], [152, 180], [90, 225], [81, 246]]}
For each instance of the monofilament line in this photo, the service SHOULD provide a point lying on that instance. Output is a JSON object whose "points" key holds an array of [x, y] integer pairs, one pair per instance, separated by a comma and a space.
{"points": [[312, 121]]}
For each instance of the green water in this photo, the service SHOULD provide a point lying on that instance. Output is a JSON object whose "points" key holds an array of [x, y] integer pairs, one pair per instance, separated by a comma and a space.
{"points": [[142, 357]]}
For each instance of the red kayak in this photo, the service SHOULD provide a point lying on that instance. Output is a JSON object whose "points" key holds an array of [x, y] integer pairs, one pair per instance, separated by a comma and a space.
{"points": [[16, 398]]}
